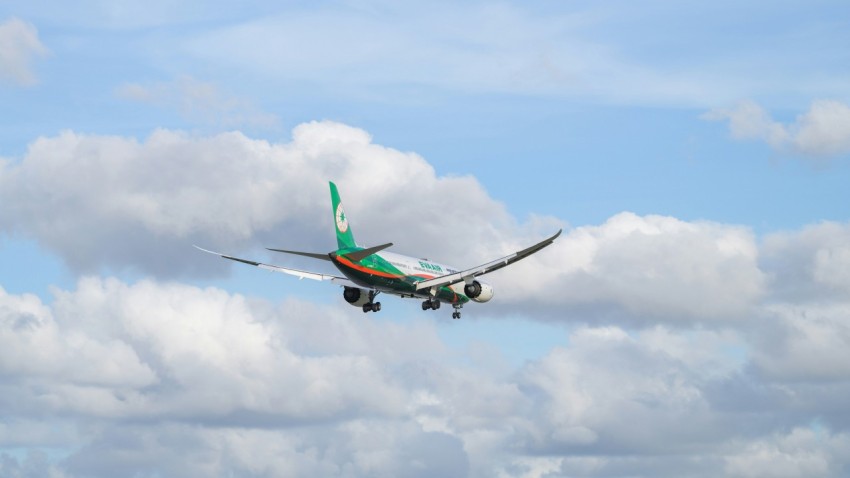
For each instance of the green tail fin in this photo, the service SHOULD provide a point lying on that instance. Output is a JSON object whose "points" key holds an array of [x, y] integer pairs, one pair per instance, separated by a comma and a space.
{"points": [[344, 237]]}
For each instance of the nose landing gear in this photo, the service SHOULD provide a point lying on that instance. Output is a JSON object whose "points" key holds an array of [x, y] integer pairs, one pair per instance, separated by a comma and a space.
{"points": [[456, 313]]}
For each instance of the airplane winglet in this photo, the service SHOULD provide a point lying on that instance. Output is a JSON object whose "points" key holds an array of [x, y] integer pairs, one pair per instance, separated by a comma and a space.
{"points": [[467, 275], [207, 250], [225, 256]]}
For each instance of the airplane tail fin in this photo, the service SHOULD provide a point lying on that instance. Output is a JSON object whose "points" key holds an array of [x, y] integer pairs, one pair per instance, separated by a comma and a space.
{"points": [[344, 236]]}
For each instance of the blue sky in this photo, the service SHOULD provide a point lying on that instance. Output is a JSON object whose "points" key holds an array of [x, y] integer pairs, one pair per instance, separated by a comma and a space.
{"points": [[696, 154]]}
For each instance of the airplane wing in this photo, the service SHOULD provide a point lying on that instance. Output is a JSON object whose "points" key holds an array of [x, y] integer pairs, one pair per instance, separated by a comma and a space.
{"points": [[293, 272], [467, 275]]}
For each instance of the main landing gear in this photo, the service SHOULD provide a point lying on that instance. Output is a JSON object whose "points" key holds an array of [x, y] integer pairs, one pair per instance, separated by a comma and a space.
{"points": [[434, 304], [372, 306]]}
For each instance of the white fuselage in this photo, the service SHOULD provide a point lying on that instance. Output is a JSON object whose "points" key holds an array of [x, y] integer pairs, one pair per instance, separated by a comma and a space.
{"points": [[421, 267]]}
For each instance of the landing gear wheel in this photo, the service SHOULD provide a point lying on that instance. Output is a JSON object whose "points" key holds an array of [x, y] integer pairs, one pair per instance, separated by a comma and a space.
{"points": [[367, 308], [376, 307], [432, 304], [456, 313]]}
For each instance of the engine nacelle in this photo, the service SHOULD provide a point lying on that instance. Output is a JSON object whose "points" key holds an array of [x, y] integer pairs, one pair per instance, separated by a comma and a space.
{"points": [[478, 291], [356, 297]]}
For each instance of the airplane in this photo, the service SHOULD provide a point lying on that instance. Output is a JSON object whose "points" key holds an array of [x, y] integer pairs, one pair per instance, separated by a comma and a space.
{"points": [[369, 271]]}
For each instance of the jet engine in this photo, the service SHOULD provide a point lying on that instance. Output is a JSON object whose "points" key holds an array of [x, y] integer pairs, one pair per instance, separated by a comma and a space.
{"points": [[478, 292], [356, 297]]}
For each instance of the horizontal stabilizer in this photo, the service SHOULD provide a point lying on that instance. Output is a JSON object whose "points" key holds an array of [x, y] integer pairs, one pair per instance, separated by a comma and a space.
{"points": [[344, 281], [358, 256], [324, 257]]}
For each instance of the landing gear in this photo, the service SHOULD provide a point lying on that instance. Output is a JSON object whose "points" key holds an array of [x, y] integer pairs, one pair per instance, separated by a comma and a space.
{"points": [[456, 313], [372, 306], [432, 304]]}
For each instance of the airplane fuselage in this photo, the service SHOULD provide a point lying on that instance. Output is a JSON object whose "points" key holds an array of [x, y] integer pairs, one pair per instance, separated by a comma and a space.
{"points": [[398, 274]]}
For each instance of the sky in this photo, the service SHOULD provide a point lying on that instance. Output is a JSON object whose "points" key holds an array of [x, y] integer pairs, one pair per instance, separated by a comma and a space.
{"points": [[692, 320]]}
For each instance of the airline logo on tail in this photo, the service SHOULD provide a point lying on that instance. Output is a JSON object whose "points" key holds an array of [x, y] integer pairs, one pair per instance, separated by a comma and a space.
{"points": [[341, 219], [367, 272]]}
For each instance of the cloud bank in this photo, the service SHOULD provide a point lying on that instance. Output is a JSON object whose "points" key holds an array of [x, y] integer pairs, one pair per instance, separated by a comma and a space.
{"points": [[693, 347], [115, 203], [151, 378]]}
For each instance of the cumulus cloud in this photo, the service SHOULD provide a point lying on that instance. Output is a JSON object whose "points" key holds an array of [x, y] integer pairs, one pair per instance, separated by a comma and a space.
{"points": [[596, 383], [199, 101], [804, 342], [649, 268], [115, 202], [750, 121], [211, 373], [35, 345], [214, 384], [823, 131], [801, 452], [19, 45], [809, 265]]}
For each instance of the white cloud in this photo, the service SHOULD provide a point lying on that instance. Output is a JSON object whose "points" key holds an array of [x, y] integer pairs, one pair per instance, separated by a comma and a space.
{"points": [[804, 342], [822, 131], [213, 383], [748, 120], [809, 265], [800, 453], [206, 343], [289, 390], [115, 202], [36, 345], [599, 382], [112, 201], [19, 44], [652, 267], [199, 101]]}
